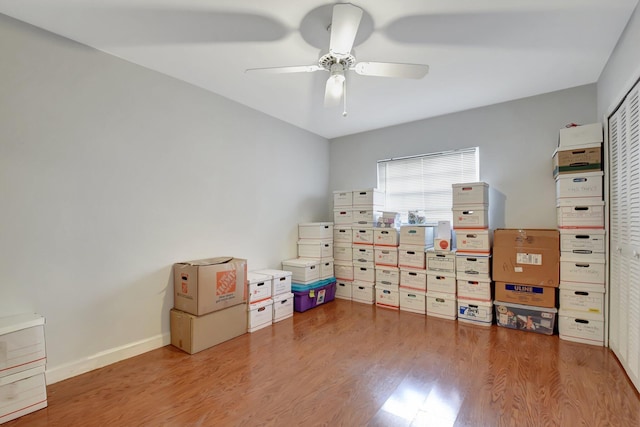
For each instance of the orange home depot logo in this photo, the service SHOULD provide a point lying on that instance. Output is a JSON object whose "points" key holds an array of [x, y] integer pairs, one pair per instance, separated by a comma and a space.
{"points": [[226, 282], [185, 283]]}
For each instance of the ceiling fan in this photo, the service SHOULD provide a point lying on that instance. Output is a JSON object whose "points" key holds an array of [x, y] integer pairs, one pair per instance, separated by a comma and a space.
{"points": [[344, 27]]}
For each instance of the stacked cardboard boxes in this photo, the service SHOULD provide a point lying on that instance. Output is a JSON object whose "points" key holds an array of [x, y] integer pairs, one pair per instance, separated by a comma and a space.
{"points": [[441, 282], [343, 243], [209, 302], [280, 293], [579, 199], [22, 364], [260, 303], [387, 274], [415, 240]]}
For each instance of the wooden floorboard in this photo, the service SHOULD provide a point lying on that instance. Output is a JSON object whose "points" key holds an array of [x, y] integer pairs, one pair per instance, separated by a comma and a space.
{"points": [[350, 364]]}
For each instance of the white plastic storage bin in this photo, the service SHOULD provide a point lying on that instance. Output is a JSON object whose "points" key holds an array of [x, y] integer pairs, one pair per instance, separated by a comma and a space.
{"points": [[474, 241], [579, 188], [22, 393], [363, 255], [369, 198], [343, 216], [441, 261], [280, 279], [387, 297], [411, 257], [343, 270], [582, 269], [583, 297], [363, 292], [260, 315], [470, 216], [417, 235], [342, 234], [471, 193], [315, 230], [312, 248], [365, 217], [343, 289], [362, 236], [474, 265], [22, 344], [472, 288], [259, 286], [476, 312], [343, 252], [326, 268], [586, 328], [303, 270], [582, 216], [386, 256], [414, 279], [385, 237], [342, 198], [441, 282], [442, 305], [282, 306], [583, 241], [413, 301], [387, 275]]}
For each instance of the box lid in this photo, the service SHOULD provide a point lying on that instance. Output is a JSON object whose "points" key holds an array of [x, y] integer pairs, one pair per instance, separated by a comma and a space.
{"points": [[259, 304], [585, 287], [253, 277], [363, 283], [585, 233], [17, 376], [572, 176], [341, 191], [439, 254], [471, 278], [282, 297], [476, 207], [208, 261], [301, 262], [274, 273], [342, 227], [469, 301], [18, 322], [300, 287], [318, 242], [440, 274], [581, 315], [526, 307], [470, 184], [576, 147], [582, 258], [431, 294], [316, 224], [387, 268]]}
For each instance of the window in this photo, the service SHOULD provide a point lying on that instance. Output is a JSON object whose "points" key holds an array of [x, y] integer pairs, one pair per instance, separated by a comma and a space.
{"points": [[423, 183]]}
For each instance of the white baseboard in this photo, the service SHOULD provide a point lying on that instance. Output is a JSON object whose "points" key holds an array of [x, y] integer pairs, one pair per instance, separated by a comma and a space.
{"points": [[104, 358]]}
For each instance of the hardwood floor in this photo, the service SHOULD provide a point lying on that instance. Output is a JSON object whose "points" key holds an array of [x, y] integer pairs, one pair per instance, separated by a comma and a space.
{"points": [[350, 364]]}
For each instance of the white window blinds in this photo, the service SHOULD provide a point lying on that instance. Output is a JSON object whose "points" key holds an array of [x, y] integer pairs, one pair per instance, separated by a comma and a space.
{"points": [[423, 182]]}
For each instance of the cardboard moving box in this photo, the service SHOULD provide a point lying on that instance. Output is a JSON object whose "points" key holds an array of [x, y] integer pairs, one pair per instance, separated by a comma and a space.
{"points": [[527, 257], [207, 285], [196, 333]]}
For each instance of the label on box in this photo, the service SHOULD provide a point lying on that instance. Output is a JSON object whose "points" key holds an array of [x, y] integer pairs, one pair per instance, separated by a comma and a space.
{"points": [[532, 259], [320, 299]]}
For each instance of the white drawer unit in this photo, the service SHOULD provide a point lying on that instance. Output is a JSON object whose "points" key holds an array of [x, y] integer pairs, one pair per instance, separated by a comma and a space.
{"points": [[22, 344], [312, 248], [442, 305], [440, 282], [386, 237], [362, 236], [582, 297], [411, 257], [343, 289], [586, 241], [342, 234], [441, 261], [470, 193], [582, 269], [387, 275], [581, 216], [363, 255], [343, 270], [342, 199], [413, 301], [303, 270], [259, 286], [470, 216], [577, 188], [282, 306], [369, 198], [386, 256], [315, 230], [280, 280], [363, 292]]}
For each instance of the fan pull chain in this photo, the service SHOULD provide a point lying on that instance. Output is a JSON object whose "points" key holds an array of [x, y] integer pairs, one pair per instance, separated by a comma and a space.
{"points": [[344, 98]]}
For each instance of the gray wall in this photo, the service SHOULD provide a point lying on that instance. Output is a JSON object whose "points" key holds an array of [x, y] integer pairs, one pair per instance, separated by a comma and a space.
{"points": [[516, 141], [110, 172]]}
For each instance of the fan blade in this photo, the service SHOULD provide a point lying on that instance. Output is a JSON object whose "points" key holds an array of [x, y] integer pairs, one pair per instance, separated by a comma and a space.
{"points": [[281, 70], [344, 26], [333, 91], [388, 69]]}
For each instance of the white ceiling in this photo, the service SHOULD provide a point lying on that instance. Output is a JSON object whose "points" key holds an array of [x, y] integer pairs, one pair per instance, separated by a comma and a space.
{"points": [[480, 52]]}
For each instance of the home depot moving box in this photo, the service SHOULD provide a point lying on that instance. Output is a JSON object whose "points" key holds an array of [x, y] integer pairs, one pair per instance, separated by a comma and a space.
{"points": [[207, 285], [527, 256]]}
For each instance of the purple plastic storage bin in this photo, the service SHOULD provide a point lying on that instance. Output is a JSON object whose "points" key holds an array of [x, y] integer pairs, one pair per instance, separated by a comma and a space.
{"points": [[313, 294]]}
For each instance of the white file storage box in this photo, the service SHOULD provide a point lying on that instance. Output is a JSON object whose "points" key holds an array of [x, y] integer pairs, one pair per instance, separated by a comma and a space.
{"points": [[22, 344], [311, 248], [326, 268], [365, 217], [442, 305], [474, 241], [471, 193], [474, 288], [343, 289], [586, 328], [343, 252], [260, 315], [363, 292], [583, 297], [363, 255], [315, 230], [259, 286], [365, 273], [474, 311], [342, 234], [343, 216], [583, 241], [21, 393], [303, 270], [362, 236], [576, 136], [282, 306], [343, 270], [470, 216], [582, 269], [413, 301], [441, 261], [478, 266], [386, 256], [414, 279], [582, 216], [440, 282], [572, 189], [387, 297], [280, 280], [387, 275], [369, 198], [342, 198], [385, 237], [417, 235], [411, 257]]}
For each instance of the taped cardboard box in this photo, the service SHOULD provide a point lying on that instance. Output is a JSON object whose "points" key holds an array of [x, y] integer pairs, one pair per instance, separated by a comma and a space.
{"points": [[538, 296], [527, 256], [207, 285]]}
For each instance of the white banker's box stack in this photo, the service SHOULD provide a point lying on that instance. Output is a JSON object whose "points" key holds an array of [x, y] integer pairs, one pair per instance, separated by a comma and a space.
{"points": [[415, 239], [367, 208]]}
